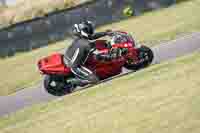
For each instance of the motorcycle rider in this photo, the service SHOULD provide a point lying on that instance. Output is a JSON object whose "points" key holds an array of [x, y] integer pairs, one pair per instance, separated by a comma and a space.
{"points": [[77, 53]]}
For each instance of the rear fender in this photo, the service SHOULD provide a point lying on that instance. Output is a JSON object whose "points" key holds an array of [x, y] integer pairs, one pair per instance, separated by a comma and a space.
{"points": [[53, 64]]}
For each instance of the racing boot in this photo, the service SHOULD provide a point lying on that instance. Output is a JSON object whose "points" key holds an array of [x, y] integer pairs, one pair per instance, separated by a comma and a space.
{"points": [[77, 82]]}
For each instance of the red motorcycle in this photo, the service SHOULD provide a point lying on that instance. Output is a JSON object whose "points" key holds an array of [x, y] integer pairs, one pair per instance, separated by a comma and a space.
{"points": [[132, 56]]}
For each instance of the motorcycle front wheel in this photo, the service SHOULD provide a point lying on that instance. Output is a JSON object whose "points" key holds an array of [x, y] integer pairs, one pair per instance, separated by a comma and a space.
{"points": [[57, 86], [145, 58]]}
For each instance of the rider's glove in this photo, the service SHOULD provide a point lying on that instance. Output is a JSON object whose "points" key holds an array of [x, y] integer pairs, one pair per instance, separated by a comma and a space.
{"points": [[109, 32], [124, 51], [115, 53]]}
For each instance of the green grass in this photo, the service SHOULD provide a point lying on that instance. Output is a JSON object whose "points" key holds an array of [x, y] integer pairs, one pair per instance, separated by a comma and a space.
{"points": [[28, 9], [153, 27], [162, 98]]}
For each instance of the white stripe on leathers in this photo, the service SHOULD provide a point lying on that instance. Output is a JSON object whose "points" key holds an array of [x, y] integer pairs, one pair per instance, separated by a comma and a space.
{"points": [[75, 56]]}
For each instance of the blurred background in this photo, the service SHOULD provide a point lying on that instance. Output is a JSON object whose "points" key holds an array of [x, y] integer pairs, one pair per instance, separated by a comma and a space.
{"points": [[28, 24]]}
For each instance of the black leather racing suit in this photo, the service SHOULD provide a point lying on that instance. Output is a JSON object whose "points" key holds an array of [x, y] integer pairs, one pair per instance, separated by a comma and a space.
{"points": [[76, 55]]}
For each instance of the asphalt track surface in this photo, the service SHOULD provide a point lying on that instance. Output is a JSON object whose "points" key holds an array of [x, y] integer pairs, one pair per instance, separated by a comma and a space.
{"points": [[37, 94]]}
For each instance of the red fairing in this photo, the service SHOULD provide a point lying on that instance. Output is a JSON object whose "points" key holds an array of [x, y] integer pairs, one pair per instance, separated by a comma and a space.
{"points": [[105, 69], [100, 44], [53, 64]]}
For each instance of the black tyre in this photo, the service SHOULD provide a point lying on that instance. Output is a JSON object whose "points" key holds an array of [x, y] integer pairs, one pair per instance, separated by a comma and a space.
{"points": [[145, 56], [57, 85]]}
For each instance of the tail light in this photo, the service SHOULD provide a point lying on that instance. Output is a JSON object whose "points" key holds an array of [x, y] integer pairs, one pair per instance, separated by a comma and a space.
{"points": [[40, 67]]}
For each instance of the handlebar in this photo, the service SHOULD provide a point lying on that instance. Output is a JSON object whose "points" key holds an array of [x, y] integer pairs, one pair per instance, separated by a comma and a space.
{"points": [[113, 33]]}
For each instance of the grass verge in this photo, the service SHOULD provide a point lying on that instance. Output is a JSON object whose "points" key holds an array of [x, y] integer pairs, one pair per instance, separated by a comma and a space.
{"points": [[28, 9], [153, 27], [162, 98]]}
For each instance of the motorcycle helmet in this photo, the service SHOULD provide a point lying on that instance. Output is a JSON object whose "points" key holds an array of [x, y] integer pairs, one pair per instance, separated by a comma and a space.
{"points": [[84, 29]]}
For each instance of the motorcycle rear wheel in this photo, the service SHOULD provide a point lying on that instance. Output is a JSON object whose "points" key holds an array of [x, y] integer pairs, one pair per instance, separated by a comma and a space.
{"points": [[57, 86], [145, 56]]}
